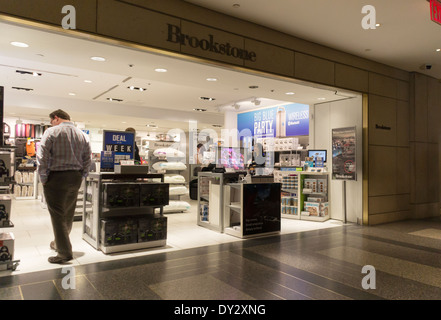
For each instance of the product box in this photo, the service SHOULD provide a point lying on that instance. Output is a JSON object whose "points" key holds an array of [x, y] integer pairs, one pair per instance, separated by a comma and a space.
{"points": [[324, 209], [311, 184], [6, 249], [120, 195], [150, 229], [5, 210], [5, 166], [118, 231], [154, 194], [312, 207]]}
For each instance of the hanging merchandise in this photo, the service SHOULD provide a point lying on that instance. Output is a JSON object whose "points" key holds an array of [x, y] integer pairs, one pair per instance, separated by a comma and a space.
{"points": [[30, 148], [38, 131]]}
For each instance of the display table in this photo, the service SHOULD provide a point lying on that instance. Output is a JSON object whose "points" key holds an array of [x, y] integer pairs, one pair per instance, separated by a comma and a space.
{"points": [[252, 209], [126, 211]]}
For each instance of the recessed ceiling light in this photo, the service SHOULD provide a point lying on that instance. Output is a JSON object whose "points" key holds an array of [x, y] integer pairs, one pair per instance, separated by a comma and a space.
{"points": [[212, 79], [88, 81], [199, 110], [290, 93], [321, 98], [19, 44], [207, 98], [113, 99], [136, 88], [72, 94], [100, 59], [35, 74], [151, 126], [378, 25], [160, 70], [20, 88], [438, 50]]}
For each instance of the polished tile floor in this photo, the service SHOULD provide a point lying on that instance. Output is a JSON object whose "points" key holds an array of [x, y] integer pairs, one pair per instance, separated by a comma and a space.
{"points": [[324, 261]]}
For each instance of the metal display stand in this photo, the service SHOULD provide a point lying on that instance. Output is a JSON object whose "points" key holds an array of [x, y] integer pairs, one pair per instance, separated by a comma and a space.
{"points": [[6, 263], [93, 193], [210, 201]]}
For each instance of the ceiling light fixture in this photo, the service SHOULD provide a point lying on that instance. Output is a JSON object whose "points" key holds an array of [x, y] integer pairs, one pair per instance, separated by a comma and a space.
{"points": [[321, 98], [160, 70], [35, 74], [72, 94], [99, 59], [211, 79], [19, 44], [113, 99], [88, 81], [256, 101], [438, 50], [289, 93], [217, 125], [25, 89], [199, 110], [136, 88], [207, 98]]}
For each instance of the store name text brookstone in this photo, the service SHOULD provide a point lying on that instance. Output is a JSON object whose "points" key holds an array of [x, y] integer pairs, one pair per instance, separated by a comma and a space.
{"points": [[175, 36]]}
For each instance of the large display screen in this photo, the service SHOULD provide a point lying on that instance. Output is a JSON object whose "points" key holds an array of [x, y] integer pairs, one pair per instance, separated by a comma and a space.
{"points": [[282, 121], [317, 153], [231, 158]]}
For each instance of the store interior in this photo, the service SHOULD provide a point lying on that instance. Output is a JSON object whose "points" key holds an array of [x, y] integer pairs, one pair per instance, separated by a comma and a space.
{"points": [[172, 102]]}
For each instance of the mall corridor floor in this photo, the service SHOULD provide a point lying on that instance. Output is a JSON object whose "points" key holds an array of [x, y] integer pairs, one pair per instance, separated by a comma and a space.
{"points": [[396, 261]]}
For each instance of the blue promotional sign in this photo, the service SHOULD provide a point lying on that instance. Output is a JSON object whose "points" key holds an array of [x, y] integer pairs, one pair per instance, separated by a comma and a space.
{"points": [[122, 143], [107, 161], [282, 121]]}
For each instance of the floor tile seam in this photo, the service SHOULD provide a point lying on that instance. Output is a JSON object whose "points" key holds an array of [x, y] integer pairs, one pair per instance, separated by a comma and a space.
{"points": [[355, 293], [398, 253], [193, 265], [399, 243], [93, 286], [277, 284], [249, 283], [160, 271], [404, 273], [296, 278]]}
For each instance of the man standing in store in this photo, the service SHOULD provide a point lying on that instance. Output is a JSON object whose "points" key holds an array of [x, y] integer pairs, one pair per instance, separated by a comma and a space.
{"points": [[63, 158]]}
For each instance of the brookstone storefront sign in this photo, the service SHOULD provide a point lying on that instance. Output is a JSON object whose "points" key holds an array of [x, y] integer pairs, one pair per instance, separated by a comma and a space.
{"points": [[176, 36]]}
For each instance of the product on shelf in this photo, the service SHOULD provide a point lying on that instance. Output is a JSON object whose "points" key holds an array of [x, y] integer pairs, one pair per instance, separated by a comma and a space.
{"points": [[177, 205], [312, 207], [174, 178], [6, 247], [151, 229], [178, 190], [121, 195], [162, 165], [154, 194], [168, 153], [119, 231]]}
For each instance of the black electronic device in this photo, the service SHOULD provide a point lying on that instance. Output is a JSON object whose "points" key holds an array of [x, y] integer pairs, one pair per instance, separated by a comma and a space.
{"points": [[318, 153], [4, 171], [4, 254], [121, 195], [154, 194]]}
